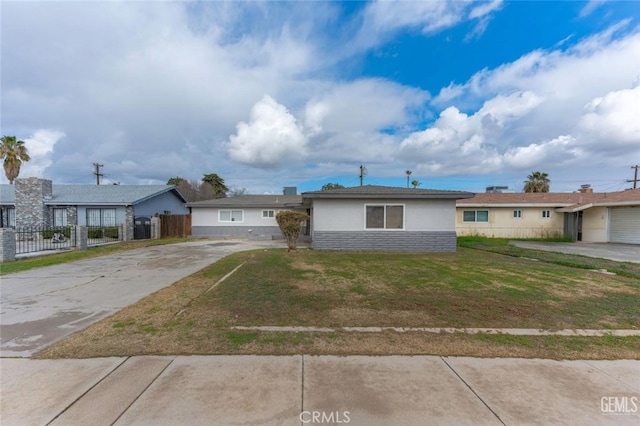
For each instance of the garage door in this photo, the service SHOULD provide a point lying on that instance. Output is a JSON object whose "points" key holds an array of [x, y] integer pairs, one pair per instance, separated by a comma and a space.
{"points": [[624, 225]]}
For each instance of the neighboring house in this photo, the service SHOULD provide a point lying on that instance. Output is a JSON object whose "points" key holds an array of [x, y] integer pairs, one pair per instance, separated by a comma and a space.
{"points": [[583, 215], [246, 216], [383, 218], [38, 202]]}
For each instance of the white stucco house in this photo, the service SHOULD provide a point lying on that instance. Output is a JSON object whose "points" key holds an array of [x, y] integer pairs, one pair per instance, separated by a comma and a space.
{"points": [[359, 218], [244, 216]]}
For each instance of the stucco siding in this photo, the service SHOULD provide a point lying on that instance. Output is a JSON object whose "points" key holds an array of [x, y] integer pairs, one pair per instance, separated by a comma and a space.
{"points": [[349, 215], [503, 224], [594, 225], [251, 217], [270, 232], [418, 241]]}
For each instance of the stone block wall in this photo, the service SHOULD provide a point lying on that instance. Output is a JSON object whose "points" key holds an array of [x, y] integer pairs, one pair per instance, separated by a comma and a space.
{"points": [[31, 194], [7, 245]]}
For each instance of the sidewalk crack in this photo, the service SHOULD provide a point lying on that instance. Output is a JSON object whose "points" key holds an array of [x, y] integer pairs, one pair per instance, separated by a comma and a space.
{"points": [[474, 392]]}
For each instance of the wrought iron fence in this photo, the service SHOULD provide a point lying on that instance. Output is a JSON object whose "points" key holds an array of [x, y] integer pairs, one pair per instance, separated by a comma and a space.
{"points": [[42, 238], [97, 235]]}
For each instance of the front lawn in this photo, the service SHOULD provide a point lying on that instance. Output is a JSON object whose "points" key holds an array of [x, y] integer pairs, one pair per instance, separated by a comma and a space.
{"points": [[470, 288]]}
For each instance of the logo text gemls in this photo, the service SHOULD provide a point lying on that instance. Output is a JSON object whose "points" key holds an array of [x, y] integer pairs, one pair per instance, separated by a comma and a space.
{"points": [[619, 404]]}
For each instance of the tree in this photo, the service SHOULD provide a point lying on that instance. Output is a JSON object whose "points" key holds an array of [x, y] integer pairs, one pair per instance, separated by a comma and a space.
{"points": [[217, 184], [329, 186], [415, 183], [14, 152], [408, 172], [236, 191], [175, 181], [290, 224], [537, 182]]}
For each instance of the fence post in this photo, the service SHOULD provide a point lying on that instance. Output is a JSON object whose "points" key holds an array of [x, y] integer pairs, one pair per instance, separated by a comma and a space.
{"points": [[125, 232], [8, 245], [155, 228], [81, 237]]}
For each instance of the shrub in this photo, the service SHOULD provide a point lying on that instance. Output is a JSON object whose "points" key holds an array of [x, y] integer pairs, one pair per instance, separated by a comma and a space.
{"points": [[95, 233], [111, 232], [290, 223]]}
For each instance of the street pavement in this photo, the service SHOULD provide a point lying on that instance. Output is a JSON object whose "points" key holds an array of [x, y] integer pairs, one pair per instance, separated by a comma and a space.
{"points": [[42, 306], [303, 389], [617, 252]]}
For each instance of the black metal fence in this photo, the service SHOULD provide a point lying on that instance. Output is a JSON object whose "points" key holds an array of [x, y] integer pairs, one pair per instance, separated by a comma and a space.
{"points": [[42, 238], [97, 235]]}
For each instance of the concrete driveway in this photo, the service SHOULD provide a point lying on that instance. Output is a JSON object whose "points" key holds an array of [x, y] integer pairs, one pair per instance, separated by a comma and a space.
{"points": [[617, 252], [41, 306]]}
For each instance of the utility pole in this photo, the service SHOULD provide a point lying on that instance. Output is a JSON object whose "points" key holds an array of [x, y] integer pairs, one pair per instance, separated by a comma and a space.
{"points": [[97, 172], [635, 176], [363, 173]]}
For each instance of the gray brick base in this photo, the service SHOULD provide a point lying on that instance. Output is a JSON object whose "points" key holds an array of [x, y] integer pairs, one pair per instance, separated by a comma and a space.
{"points": [[7, 245], [427, 241]]}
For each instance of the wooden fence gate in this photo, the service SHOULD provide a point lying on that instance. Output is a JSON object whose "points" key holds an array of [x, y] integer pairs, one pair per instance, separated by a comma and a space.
{"points": [[175, 225]]}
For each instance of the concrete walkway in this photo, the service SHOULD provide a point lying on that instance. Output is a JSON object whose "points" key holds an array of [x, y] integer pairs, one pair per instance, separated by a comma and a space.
{"points": [[617, 252], [42, 306], [295, 390]]}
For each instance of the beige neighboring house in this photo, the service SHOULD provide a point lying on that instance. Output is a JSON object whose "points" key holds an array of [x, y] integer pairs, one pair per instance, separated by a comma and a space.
{"points": [[584, 215]]}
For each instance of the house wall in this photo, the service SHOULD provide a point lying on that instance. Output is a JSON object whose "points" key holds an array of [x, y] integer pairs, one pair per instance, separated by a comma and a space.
{"points": [[349, 215], [594, 225], [502, 224], [429, 225], [167, 201], [205, 223]]}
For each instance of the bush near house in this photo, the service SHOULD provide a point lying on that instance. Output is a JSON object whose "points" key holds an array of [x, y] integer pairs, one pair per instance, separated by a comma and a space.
{"points": [[290, 223]]}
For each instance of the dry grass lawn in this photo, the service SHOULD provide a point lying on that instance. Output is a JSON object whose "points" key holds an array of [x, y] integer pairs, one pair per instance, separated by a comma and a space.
{"points": [[470, 288]]}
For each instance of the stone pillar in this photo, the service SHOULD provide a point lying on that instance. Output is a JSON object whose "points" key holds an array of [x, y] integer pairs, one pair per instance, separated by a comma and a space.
{"points": [[128, 233], [31, 194], [7, 245], [72, 215], [155, 228], [80, 236]]}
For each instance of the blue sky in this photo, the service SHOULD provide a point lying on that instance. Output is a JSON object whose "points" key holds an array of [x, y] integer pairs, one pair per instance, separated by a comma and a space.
{"points": [[465, 94]]}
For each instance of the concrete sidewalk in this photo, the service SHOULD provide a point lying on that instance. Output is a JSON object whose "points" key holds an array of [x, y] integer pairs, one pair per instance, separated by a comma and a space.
{"points": [[358, 390]]}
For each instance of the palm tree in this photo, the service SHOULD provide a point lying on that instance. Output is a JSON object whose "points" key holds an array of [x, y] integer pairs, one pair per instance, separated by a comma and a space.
{"points": [[408, 172], [217, 183], [537, 182], [14, 153], [416, 183]]}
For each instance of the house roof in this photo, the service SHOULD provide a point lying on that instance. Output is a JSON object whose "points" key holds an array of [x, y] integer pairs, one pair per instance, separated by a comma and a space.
{"points": [[573, 201], [248, 201], [374, 191], [95, 194]]}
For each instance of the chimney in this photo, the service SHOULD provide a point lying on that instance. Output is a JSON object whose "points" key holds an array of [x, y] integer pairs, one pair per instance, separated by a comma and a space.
{"points": [[585, 189], [31, 194], [290, 190]]}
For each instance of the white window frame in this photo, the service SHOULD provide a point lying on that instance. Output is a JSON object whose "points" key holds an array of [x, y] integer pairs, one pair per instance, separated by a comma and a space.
{"points": [[102, 217], [270, 214], [475, 216], [60, 215], [231, 212], [384, 219], [517, 214], [11, 217], [546, 214]]}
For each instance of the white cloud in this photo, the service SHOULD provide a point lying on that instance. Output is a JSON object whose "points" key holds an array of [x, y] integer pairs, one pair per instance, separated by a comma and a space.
{"points": [[613, 118], [560, 151], [272, 137], [40, 148]]}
